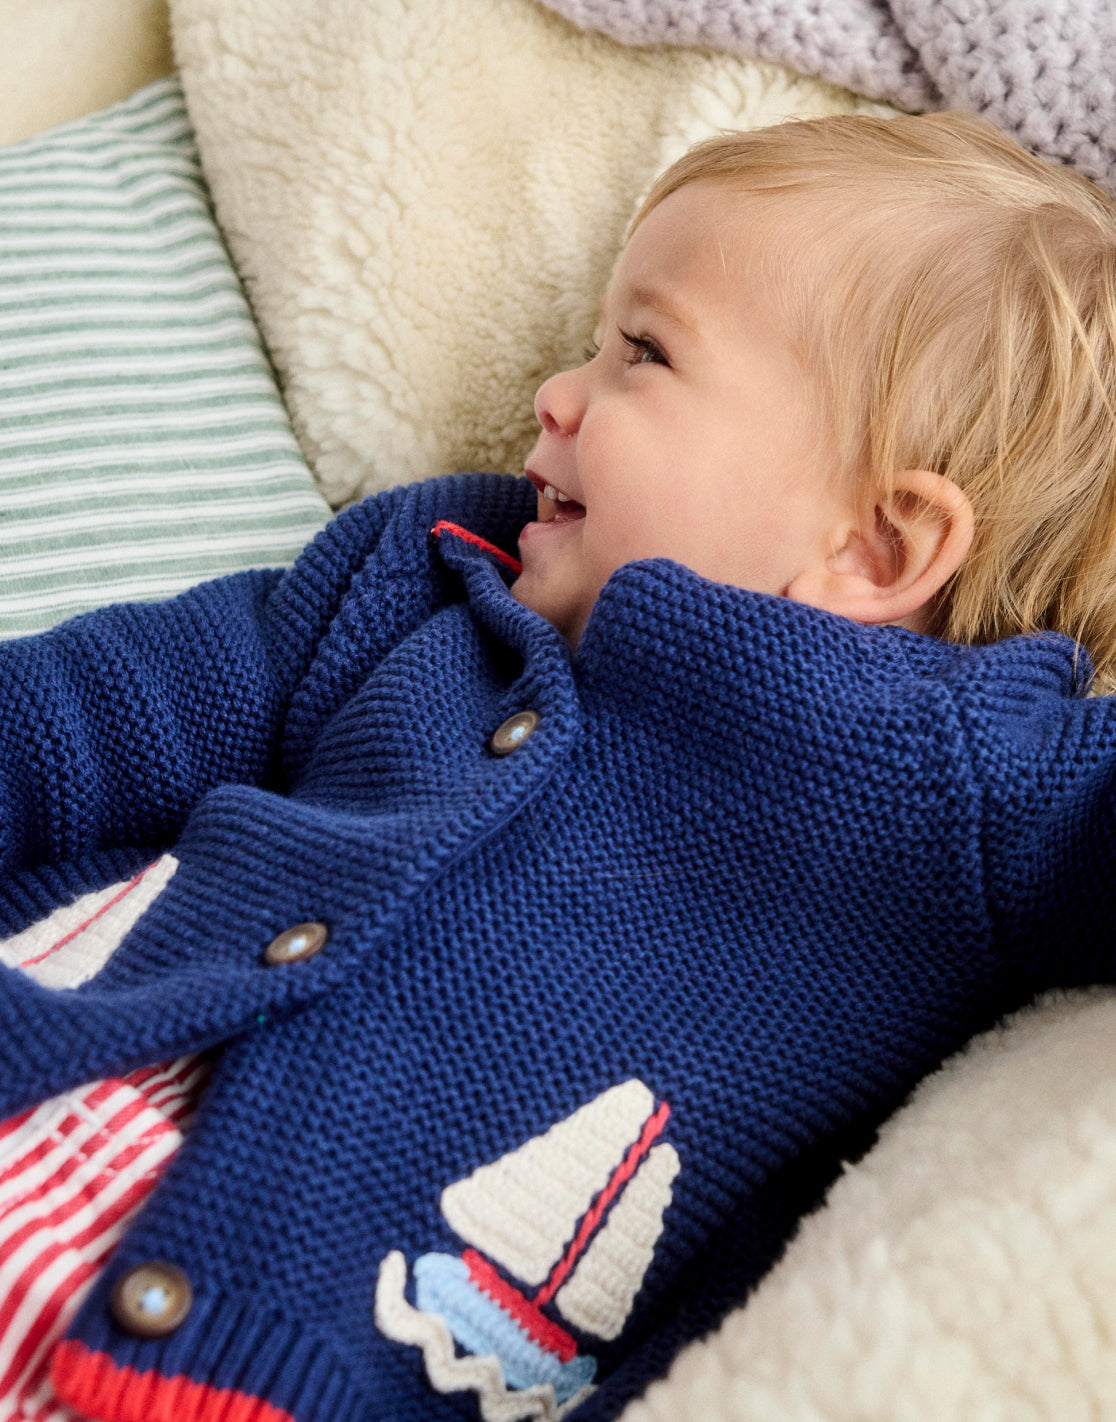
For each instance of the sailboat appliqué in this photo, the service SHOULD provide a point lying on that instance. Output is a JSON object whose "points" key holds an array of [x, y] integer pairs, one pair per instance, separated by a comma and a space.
{"points": [[560, 1231]]}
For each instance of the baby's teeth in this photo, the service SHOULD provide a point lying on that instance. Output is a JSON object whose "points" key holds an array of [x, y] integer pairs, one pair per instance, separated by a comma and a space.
{"points": [[550, 492], [563, 498]]}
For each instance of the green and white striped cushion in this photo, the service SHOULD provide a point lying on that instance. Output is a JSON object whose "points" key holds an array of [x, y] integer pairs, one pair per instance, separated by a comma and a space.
{"points": [[143, 443]]}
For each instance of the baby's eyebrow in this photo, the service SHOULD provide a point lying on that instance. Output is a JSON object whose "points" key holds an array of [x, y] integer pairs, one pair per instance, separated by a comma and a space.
{"points": [[656, 299]]}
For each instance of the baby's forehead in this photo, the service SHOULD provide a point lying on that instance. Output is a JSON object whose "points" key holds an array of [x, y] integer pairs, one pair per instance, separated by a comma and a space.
{"points": [[781, 241]]}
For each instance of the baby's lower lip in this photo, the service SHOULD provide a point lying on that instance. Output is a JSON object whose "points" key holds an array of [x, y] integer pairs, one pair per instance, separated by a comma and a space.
{"points": [[552, 525]]}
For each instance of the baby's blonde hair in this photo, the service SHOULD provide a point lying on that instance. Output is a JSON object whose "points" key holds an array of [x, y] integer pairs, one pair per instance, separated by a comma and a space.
{"points": [[974, 333]]}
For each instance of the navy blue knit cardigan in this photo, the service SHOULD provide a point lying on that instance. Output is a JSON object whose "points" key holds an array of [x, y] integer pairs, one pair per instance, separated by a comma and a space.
{"points": [[604, 1001]]}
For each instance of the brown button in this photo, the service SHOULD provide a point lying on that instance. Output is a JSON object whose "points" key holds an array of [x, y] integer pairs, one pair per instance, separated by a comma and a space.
{"points": [[152, 1299], [301, 941], [515, 730]]}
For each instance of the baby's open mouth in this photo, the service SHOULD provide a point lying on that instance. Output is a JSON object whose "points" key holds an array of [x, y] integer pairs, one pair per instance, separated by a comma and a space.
{"points": [[565, 508], [554, 505]]}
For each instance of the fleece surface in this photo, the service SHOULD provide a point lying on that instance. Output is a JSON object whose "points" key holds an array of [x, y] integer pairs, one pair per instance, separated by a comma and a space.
{"points": [[426, 199]]}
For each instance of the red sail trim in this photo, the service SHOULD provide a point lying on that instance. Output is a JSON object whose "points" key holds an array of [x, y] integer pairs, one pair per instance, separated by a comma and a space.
{"points": [[620, 1177], [69, 937], [444, 526], [93, 1384], [536, 1325]]}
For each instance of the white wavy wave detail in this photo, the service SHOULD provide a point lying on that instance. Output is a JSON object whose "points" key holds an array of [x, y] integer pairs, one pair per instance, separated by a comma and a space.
{"points": [[400, 1321]]}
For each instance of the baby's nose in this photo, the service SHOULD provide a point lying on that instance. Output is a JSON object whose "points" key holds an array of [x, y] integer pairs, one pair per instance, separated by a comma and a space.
{"points": [[559, 405]]}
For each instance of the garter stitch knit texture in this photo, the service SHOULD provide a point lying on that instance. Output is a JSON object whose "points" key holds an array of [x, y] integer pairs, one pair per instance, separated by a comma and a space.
{"points": [[1044, 72], [626, 994]]}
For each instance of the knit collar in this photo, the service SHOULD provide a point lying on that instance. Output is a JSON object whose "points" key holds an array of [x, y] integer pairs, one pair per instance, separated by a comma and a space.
{"points": [[661, 631]]}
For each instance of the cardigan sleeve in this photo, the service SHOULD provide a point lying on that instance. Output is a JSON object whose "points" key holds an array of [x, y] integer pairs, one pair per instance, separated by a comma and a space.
{"points": [[124, 724], [114, 724], [1045, 754]]}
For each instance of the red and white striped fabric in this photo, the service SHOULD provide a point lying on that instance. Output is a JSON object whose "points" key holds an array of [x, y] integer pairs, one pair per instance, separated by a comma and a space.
{"points": [[76, 1169]]}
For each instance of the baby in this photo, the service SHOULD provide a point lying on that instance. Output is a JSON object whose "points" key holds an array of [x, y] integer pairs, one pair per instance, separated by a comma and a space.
{"points": [[559, 923], [825, 348]]}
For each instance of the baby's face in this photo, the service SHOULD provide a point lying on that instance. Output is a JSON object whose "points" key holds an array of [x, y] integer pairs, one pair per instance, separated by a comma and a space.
{"points": [[691, 434]]}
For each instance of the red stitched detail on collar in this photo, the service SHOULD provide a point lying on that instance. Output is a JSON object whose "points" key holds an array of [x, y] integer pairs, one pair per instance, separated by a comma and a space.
{"points": [[444, 526]]}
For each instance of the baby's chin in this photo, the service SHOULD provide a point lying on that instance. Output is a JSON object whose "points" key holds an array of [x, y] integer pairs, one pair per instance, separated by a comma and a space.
{"points": [[531, 592]]}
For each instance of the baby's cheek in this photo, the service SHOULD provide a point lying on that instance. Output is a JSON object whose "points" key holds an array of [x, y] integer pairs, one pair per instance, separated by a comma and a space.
{"points": [[606, 547]]}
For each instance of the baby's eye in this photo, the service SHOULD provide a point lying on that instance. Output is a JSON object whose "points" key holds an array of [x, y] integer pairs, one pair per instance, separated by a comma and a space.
{"points": [[590, 351], [642, 350]]}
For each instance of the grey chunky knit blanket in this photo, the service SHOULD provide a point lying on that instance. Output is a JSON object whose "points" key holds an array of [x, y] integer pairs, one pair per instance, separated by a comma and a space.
{"points": [[1042, 70]]}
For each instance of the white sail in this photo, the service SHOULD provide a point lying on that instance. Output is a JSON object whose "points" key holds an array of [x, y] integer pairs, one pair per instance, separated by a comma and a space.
{"points": [[75, 942], [599, 1295], [522, 1210]]}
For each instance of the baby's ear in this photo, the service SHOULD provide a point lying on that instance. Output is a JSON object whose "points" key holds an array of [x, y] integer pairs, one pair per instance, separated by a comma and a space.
{"points": [[890, 564]]}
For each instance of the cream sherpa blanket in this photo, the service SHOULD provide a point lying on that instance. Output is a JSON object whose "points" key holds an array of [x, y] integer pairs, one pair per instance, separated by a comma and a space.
{"points": [[425, 198]]}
